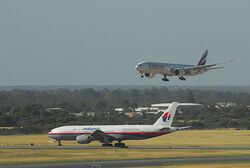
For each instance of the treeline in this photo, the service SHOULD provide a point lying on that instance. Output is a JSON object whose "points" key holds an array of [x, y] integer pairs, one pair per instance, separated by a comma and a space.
{"points": [[27, 111]]}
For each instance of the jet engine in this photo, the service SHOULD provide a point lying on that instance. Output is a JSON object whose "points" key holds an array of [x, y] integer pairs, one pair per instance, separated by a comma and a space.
{"points": [[179, 72], [149, 75], [83, 139]]}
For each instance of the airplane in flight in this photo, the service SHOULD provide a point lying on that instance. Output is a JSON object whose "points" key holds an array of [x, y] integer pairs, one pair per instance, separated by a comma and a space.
{"points": [[150, 69], [106, 134]]}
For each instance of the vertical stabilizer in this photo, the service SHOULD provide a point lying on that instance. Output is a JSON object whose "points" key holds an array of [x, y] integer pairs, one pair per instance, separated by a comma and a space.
{"points": [[203, 58], [167, 117]]}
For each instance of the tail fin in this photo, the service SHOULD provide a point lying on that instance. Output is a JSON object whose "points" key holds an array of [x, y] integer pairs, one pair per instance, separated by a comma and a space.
{"points": [[167, 117], [203, 58]]}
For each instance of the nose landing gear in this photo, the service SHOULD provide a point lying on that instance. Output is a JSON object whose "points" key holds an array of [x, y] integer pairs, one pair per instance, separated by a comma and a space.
{"points": [[59, 142], [142, 75]]}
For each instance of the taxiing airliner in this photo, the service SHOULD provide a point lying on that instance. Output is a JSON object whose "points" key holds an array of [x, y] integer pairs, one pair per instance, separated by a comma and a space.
{"points": [[106, 134], [150, 69]]}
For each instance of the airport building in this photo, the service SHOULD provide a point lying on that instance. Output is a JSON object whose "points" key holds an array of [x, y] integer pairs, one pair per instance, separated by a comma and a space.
{"points": [[153, 109]]}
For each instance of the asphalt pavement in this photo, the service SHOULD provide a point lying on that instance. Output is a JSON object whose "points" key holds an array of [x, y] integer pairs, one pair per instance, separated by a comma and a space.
{"points": [[133, 163]]}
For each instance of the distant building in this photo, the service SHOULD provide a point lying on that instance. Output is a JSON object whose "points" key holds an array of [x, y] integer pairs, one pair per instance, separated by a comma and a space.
{"points": [[54, 109], [120, 110], [90, 113], [153, 109], [133, 114], [225, 104]]}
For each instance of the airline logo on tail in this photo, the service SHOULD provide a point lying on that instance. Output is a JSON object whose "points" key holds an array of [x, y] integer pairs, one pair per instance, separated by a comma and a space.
{"points": [[166, 116], [203, 58]]}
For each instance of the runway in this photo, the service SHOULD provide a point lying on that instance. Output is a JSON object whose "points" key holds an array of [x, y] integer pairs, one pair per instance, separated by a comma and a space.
{"points": [[130, 147], [132, 163]]}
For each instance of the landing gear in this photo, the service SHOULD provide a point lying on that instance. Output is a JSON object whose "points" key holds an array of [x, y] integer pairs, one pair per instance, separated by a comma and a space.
{"points": [[59, 142], [165, 79], [120, 145], [117, 145], [107, 145], [142, 75], [182, 78]]}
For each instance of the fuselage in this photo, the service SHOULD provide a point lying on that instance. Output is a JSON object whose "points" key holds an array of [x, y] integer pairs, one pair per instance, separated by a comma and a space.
{"points": [[167, 69], [119, 132]]}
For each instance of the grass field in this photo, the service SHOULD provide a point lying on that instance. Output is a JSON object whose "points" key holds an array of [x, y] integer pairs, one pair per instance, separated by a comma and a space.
{"points": [[205, 165], [181, 138], [227, 137]]}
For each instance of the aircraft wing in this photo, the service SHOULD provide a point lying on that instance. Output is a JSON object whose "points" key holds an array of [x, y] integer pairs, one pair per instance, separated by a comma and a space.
{"points": [[101, 136]]}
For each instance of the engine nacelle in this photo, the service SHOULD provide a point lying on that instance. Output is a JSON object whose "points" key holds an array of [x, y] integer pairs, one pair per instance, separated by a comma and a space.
{"points": [[83, 139], [179, 72], [149, 75]]}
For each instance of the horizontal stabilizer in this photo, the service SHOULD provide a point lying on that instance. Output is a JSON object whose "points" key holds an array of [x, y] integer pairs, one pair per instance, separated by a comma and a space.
{"points": [[216, 68], [180, 128]]}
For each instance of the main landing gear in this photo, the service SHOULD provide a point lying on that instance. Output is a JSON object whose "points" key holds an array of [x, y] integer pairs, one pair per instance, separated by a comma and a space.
{"points": [[117, 145], [182, 78], [107, 145], [120, 145], [165, 79]]}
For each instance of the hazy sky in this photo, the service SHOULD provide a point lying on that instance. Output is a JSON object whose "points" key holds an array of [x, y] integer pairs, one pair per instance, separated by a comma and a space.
{"points": [[90, 42]]}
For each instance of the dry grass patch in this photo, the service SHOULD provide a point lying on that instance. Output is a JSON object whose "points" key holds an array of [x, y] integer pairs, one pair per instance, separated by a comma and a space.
{"points": [[205, 165], [227, 137]]}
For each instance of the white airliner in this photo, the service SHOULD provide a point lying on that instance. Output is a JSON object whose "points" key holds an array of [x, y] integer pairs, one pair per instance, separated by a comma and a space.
{"points": [[150, 69], [106, 134]]}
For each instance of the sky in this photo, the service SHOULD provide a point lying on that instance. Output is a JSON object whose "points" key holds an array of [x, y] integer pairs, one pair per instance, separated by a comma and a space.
{"points": [[99, 42]]}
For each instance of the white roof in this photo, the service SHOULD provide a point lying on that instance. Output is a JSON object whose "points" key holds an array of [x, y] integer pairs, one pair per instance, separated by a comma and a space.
{"points": [[180, 104], [119, 109]]}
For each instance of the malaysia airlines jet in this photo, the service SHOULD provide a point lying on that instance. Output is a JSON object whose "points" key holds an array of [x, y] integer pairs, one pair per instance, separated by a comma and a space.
{"points": [[150, 69], [106, 134]]}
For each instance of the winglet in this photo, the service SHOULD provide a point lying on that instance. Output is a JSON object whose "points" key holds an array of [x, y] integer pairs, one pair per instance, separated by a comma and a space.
{"points": [[203, 58]]}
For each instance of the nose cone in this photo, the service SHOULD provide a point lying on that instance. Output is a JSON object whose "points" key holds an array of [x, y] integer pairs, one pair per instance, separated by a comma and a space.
{"points": [[137, 67], [52, 133]]}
